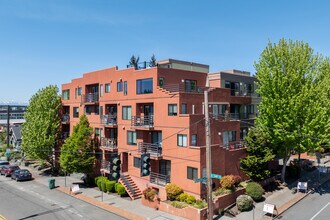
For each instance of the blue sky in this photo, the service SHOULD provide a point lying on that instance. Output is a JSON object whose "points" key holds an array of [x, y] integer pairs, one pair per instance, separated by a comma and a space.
{"points": [[46, 42]]}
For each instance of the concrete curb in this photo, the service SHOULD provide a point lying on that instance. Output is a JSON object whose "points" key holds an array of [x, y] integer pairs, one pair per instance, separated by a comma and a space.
{"points": [[102, 205]]}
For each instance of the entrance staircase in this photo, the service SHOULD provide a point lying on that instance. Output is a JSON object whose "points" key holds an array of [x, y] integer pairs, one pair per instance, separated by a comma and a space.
{"points": [[131, 188]]}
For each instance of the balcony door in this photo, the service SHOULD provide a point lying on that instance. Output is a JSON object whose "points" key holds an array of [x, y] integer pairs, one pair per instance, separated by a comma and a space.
{"points": [[165, 167], [148, 110], [156, 138]]}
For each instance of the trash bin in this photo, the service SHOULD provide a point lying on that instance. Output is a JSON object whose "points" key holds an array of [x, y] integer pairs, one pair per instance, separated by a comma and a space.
{"points": [[51, 183]]}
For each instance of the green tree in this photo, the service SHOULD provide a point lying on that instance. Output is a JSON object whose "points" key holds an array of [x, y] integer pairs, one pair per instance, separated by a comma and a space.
{"points": [[41, 129], [259, 154], [152, 61], [134, 61], [77, 151], [293, 109]]}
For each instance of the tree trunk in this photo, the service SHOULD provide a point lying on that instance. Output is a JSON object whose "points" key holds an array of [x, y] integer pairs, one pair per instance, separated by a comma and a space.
{"points": [[285, 160]]}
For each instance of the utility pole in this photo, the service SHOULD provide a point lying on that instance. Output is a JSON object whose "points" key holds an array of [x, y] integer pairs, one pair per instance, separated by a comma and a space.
{"points": [[8, 117], [208, 154]]}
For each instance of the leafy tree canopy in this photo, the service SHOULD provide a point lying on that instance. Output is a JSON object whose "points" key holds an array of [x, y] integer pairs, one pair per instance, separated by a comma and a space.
{"points": [[152, 61], [294, 85], [259, 154], [77, 151], [40, 132]]}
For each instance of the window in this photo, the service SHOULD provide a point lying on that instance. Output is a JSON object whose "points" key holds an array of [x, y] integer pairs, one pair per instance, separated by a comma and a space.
{"points": [[190, 85], [144, 86], [101, 90], [137, 162], [66, 94], [192, 173], [172, 109], [75, 112], [184, 108], [127, 113], [161, 82], [131, 137], [182, 140], [250, 109], [125, 88], [119, 86], [232, 135], [194, 140], [79, 90], [107, 88], [75, 93], [88, 110]]}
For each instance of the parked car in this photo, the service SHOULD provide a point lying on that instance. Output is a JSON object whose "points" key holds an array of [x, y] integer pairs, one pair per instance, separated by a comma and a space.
{"points": [[2, 169], [3, 163], [23, 174], [9, 169]]}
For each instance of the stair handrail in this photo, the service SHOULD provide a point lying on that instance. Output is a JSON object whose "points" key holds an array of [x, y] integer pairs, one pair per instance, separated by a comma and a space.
{"points": [[128, 184]]}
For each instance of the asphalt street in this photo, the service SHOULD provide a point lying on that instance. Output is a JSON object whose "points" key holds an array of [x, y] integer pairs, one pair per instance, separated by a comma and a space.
{"points": [[315, 206], [31, 200]]}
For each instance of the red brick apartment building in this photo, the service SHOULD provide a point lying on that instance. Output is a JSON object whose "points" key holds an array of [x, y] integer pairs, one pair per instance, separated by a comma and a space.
{"points": [[159, 110]]}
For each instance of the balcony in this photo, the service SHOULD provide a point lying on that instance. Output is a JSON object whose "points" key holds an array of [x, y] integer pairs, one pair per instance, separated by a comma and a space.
{"points": [[235, 92], [159, 179], [109, 143], [143, 121], [65, 118], [234, 116], [235, 145], [155, 150], [109, 120], [181, 88], [105, 166], [91, 98]]}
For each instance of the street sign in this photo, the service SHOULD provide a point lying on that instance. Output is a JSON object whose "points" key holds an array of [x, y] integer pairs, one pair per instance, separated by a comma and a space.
{"points": [[215, 176], [200, 179], [8, 152], [269, 208]]}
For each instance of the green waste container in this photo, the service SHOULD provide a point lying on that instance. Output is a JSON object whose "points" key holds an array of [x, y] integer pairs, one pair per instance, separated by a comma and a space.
{"points": [[51, 183]]}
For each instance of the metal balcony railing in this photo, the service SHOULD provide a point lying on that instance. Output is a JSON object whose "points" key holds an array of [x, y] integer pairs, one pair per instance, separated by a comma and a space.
{"points": [[65, 118], [142, 121], [109, 120], [90, 97], [183, 88], [105, 165], [155, 150], [235, 92], [235, 145], [110, 143], [234, 116], [159, 179]]}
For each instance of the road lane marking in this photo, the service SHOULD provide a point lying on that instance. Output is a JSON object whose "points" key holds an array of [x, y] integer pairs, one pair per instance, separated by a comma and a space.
{"points": [[2, 218], [320, 211]]}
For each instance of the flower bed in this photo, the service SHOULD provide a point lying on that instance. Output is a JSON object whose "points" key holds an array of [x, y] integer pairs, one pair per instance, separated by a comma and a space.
{"points": [[188, 212], [223, 201]]}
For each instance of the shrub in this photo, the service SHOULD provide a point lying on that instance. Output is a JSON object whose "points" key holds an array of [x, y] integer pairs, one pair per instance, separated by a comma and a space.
{"points": [[172, 191], [254, 190], [103, 186], [149, 194], [222, 191], [237, 180], [182, 197], [178, 205], [121, 190], [200, 204], [190, 199], [227, 182], [116, 187], [100, 179], [110, 185], [244, 203]]}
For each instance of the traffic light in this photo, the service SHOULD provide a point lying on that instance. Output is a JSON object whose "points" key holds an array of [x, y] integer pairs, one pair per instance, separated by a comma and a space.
{"points": [[115, 167], [145, 165]]}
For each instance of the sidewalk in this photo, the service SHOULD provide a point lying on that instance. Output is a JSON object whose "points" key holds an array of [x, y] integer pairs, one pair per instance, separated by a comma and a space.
{"points": [[111, 202], [282, 199]]}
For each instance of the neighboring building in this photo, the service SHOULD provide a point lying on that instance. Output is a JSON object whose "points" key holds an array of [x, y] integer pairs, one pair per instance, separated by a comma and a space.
{"points": [[16, 113], [158, 110], [240, 83], [15, 137]]}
